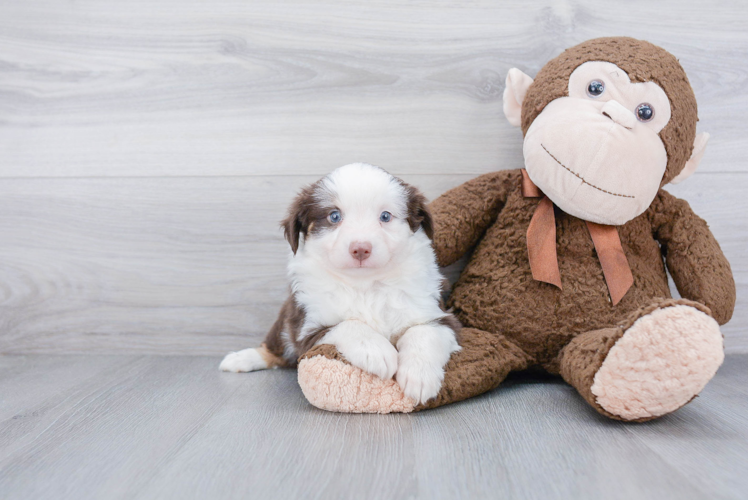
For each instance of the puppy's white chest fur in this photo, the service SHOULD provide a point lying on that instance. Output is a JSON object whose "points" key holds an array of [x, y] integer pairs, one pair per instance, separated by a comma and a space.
{"points": [[403, 294]]}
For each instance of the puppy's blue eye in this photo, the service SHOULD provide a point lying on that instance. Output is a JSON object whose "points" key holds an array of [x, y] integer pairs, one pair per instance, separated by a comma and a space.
{"points": [[385, 217], [595, 88], [334, 216]]}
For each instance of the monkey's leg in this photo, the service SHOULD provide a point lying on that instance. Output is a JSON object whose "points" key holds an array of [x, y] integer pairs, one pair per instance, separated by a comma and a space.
{"points": [[653, 364], [329, 382]]}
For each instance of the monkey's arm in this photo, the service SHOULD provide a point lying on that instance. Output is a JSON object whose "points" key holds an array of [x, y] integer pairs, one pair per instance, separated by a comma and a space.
{"points": [[693, 256], [462, 215]]}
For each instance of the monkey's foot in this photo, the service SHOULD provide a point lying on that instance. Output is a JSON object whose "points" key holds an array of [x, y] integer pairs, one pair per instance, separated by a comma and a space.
{"points": [[662, 361], [330, 383]]}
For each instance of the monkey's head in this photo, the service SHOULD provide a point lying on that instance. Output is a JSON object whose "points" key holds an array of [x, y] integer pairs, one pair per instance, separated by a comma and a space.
{"points": [[605, 125]]}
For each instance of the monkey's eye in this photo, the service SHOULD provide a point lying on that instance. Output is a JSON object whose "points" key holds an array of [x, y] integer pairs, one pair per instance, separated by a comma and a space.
{"points": [[334, 217], [595, 88], [385, 216], [645, 112]]}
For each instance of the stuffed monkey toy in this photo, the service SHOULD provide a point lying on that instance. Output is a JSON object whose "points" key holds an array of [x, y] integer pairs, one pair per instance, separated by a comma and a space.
{"points": [[569, 254]]}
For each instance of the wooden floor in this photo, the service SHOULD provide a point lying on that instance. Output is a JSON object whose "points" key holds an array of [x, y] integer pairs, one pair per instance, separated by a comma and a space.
{"points": [[107, 427]]}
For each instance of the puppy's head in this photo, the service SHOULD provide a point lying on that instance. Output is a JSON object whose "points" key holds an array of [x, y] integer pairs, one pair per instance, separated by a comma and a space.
{"points": [[357, 217]]}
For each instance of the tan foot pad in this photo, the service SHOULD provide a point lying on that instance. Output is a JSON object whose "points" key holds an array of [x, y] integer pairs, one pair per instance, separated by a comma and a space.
{"points": [[662, 361], [332, 385]]}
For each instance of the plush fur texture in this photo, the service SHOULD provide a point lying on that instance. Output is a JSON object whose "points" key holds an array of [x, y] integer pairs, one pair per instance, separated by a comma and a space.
{"points": [[542, 318], [479, 366], [513, 322], [662, 361], [364, 278], [331, 383]]}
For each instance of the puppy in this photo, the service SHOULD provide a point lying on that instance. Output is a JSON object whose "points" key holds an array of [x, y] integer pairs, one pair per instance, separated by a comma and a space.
{"points": [[363, 278]]}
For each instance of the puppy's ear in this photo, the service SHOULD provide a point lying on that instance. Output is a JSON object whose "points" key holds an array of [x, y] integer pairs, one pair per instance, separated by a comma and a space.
{"points": [[297, 221], [418, 213], [291, 229]]}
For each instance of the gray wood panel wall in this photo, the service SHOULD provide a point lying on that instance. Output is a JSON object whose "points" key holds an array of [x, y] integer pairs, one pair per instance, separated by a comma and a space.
{"points": [[148, 149]]}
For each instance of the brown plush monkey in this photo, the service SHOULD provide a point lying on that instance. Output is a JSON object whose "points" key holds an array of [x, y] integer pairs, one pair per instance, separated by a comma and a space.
{"points": [[568, 267]]}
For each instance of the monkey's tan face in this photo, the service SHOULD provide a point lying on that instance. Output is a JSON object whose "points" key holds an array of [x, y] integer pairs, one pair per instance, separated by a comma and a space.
{"points": [[597, 153]]}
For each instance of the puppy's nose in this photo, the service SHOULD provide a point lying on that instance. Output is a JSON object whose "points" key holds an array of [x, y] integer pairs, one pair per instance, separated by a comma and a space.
{"points": [[360, 250]]}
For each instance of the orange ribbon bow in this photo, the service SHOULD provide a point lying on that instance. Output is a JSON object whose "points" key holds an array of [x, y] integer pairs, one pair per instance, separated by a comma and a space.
{"points": [[541, 246]]}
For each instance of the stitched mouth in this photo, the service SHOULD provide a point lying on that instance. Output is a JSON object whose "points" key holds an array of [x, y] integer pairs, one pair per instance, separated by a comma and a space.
{"points": [[582, 178]]}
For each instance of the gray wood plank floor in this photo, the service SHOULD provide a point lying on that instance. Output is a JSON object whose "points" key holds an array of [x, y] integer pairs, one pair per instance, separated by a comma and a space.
{"points": [[111, 427]]}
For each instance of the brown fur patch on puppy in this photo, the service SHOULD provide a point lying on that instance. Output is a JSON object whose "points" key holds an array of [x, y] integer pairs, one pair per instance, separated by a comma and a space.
{"points": [[271, 359], [298, 220], [418, 211], [307, 215], [310, 340], [290, 320]]}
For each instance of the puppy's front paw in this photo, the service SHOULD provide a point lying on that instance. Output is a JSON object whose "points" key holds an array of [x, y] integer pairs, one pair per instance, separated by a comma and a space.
{"points": [[374, 354], [420, 378], [424, 350]]}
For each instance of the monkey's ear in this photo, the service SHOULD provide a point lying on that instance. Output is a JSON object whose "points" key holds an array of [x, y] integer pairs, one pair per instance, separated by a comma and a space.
{"points": [[517, 84], [699, 146]]}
